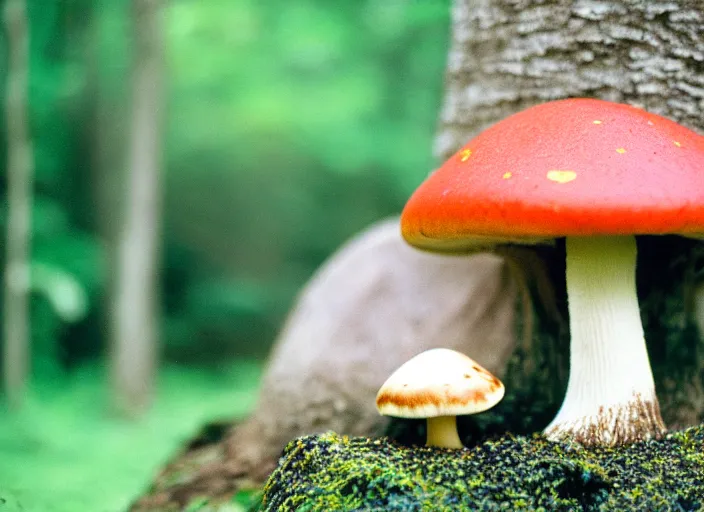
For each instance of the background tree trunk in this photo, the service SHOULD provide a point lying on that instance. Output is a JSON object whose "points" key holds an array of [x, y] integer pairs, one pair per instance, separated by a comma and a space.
{"points": [[109, 71], [507, 55], [134, 317], [19, 192]]}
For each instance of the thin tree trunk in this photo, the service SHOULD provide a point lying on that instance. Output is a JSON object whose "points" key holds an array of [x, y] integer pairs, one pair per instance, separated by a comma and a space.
{"points": [[108, 75], [507, 55], [134, 318], [19, 192], [109, 72]]}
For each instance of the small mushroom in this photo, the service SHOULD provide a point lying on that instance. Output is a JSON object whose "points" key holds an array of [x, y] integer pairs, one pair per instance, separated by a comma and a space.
{"points": [[438, 385]]}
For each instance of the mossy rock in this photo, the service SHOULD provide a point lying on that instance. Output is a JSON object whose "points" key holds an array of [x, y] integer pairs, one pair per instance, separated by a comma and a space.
{"points": [[331, 472]]}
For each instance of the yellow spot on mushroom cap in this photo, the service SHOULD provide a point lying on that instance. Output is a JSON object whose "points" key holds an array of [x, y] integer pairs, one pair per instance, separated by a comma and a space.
{"points": [[596, 121], [465, 154], [678, 144], [561, 176], [507, 175], [621, 151]]}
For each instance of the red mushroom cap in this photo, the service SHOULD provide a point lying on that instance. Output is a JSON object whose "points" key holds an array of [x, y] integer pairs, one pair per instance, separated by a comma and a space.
{"points": [[565, 168]]}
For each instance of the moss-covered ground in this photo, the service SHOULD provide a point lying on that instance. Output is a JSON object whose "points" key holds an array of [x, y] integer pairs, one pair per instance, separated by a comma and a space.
{"points": [[331, 472]]}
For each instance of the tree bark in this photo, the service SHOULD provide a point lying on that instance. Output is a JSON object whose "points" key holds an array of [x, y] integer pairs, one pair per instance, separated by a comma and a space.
{"points": [[20, 169], [134, 316], [507, 55]]}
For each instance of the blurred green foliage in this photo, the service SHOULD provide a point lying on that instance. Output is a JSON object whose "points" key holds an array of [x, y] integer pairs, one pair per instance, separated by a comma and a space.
{"points": [[292, 126], [289, 127]]}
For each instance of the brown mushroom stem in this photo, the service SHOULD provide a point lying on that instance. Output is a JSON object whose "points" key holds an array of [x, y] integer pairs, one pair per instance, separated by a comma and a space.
{"points": [[442, 432], [610, 395]]}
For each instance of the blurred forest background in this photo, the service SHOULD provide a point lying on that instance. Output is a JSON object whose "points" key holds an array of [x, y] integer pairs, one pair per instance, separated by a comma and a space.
{"points": [[286, 127]]}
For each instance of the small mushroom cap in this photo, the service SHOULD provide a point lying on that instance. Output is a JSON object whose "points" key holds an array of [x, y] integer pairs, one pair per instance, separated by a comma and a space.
{"points": [[439, 382], [576, 167]]}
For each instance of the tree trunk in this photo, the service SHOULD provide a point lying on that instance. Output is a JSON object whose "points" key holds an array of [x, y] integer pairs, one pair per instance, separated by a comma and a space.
{"points": [[19, 192], [134, 316], [507, 55], [108, 74]]}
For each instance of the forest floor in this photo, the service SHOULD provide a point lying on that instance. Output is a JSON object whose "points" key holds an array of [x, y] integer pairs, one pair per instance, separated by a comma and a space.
{"points": [[65, 453]]}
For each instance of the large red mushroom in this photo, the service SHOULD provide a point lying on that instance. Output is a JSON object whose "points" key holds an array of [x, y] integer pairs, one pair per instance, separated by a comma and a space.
{"points": [[597, 173]]}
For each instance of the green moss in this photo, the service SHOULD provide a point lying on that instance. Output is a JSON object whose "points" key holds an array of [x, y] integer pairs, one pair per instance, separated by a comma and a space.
{"points": [[331, 472]]}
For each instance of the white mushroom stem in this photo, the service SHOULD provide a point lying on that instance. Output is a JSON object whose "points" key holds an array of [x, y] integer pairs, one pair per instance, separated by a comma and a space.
{"points": [[442, 432], [610, 395]]}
